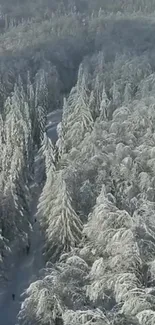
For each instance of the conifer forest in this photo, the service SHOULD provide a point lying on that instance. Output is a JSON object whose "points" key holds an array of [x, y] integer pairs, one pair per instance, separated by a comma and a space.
{"points": [[77, 162]]}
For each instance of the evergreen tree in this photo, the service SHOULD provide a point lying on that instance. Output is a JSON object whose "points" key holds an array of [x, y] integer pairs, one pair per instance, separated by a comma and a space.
{"points": [[63, 226], [79, 120], [47, 151]]}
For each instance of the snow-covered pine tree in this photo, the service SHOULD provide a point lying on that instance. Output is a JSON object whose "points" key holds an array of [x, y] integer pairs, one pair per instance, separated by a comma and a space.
{"points": [[47, 151], [61, 288], [79, 120], [18, 128], [118, 268], [41, 90], [104, 114], [63, 226]]}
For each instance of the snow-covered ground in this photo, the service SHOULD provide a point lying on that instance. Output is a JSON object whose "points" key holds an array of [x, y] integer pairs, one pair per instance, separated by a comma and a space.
{"points": [[26, 268], [52, 120]]}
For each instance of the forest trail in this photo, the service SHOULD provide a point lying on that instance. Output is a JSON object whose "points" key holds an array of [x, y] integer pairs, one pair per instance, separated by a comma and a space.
{"points": [[27, 269]]}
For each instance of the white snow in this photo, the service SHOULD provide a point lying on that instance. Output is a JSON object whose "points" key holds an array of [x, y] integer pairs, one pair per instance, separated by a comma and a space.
{"points": [[52, 121]]}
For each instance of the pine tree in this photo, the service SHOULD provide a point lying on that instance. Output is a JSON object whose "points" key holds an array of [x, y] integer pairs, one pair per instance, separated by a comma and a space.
{"points": [[104, 105], [47, 151], [61, 288], [127, 93], [79, 120], [41, 91], [63, 226]]}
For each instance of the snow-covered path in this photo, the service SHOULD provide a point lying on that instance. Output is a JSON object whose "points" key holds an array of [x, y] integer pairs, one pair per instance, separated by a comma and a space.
{"points": [[27, 267], [52, 120], [22, 276]]}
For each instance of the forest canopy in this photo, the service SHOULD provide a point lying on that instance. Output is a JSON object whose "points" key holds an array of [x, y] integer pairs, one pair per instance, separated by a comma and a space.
{"points": [[95, 60]]}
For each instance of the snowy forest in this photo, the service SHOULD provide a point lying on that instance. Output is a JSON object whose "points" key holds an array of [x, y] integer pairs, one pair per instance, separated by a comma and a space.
{"points": [[77, 208]]}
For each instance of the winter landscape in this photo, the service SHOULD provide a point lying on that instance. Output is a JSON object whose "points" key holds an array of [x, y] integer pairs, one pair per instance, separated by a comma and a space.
{"points": [[77, 162]]}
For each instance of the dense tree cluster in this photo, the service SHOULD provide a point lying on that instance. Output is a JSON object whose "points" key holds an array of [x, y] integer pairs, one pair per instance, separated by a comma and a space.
{"points": [[97, 203], [22, 128], [16, 10], [106, 142]]}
